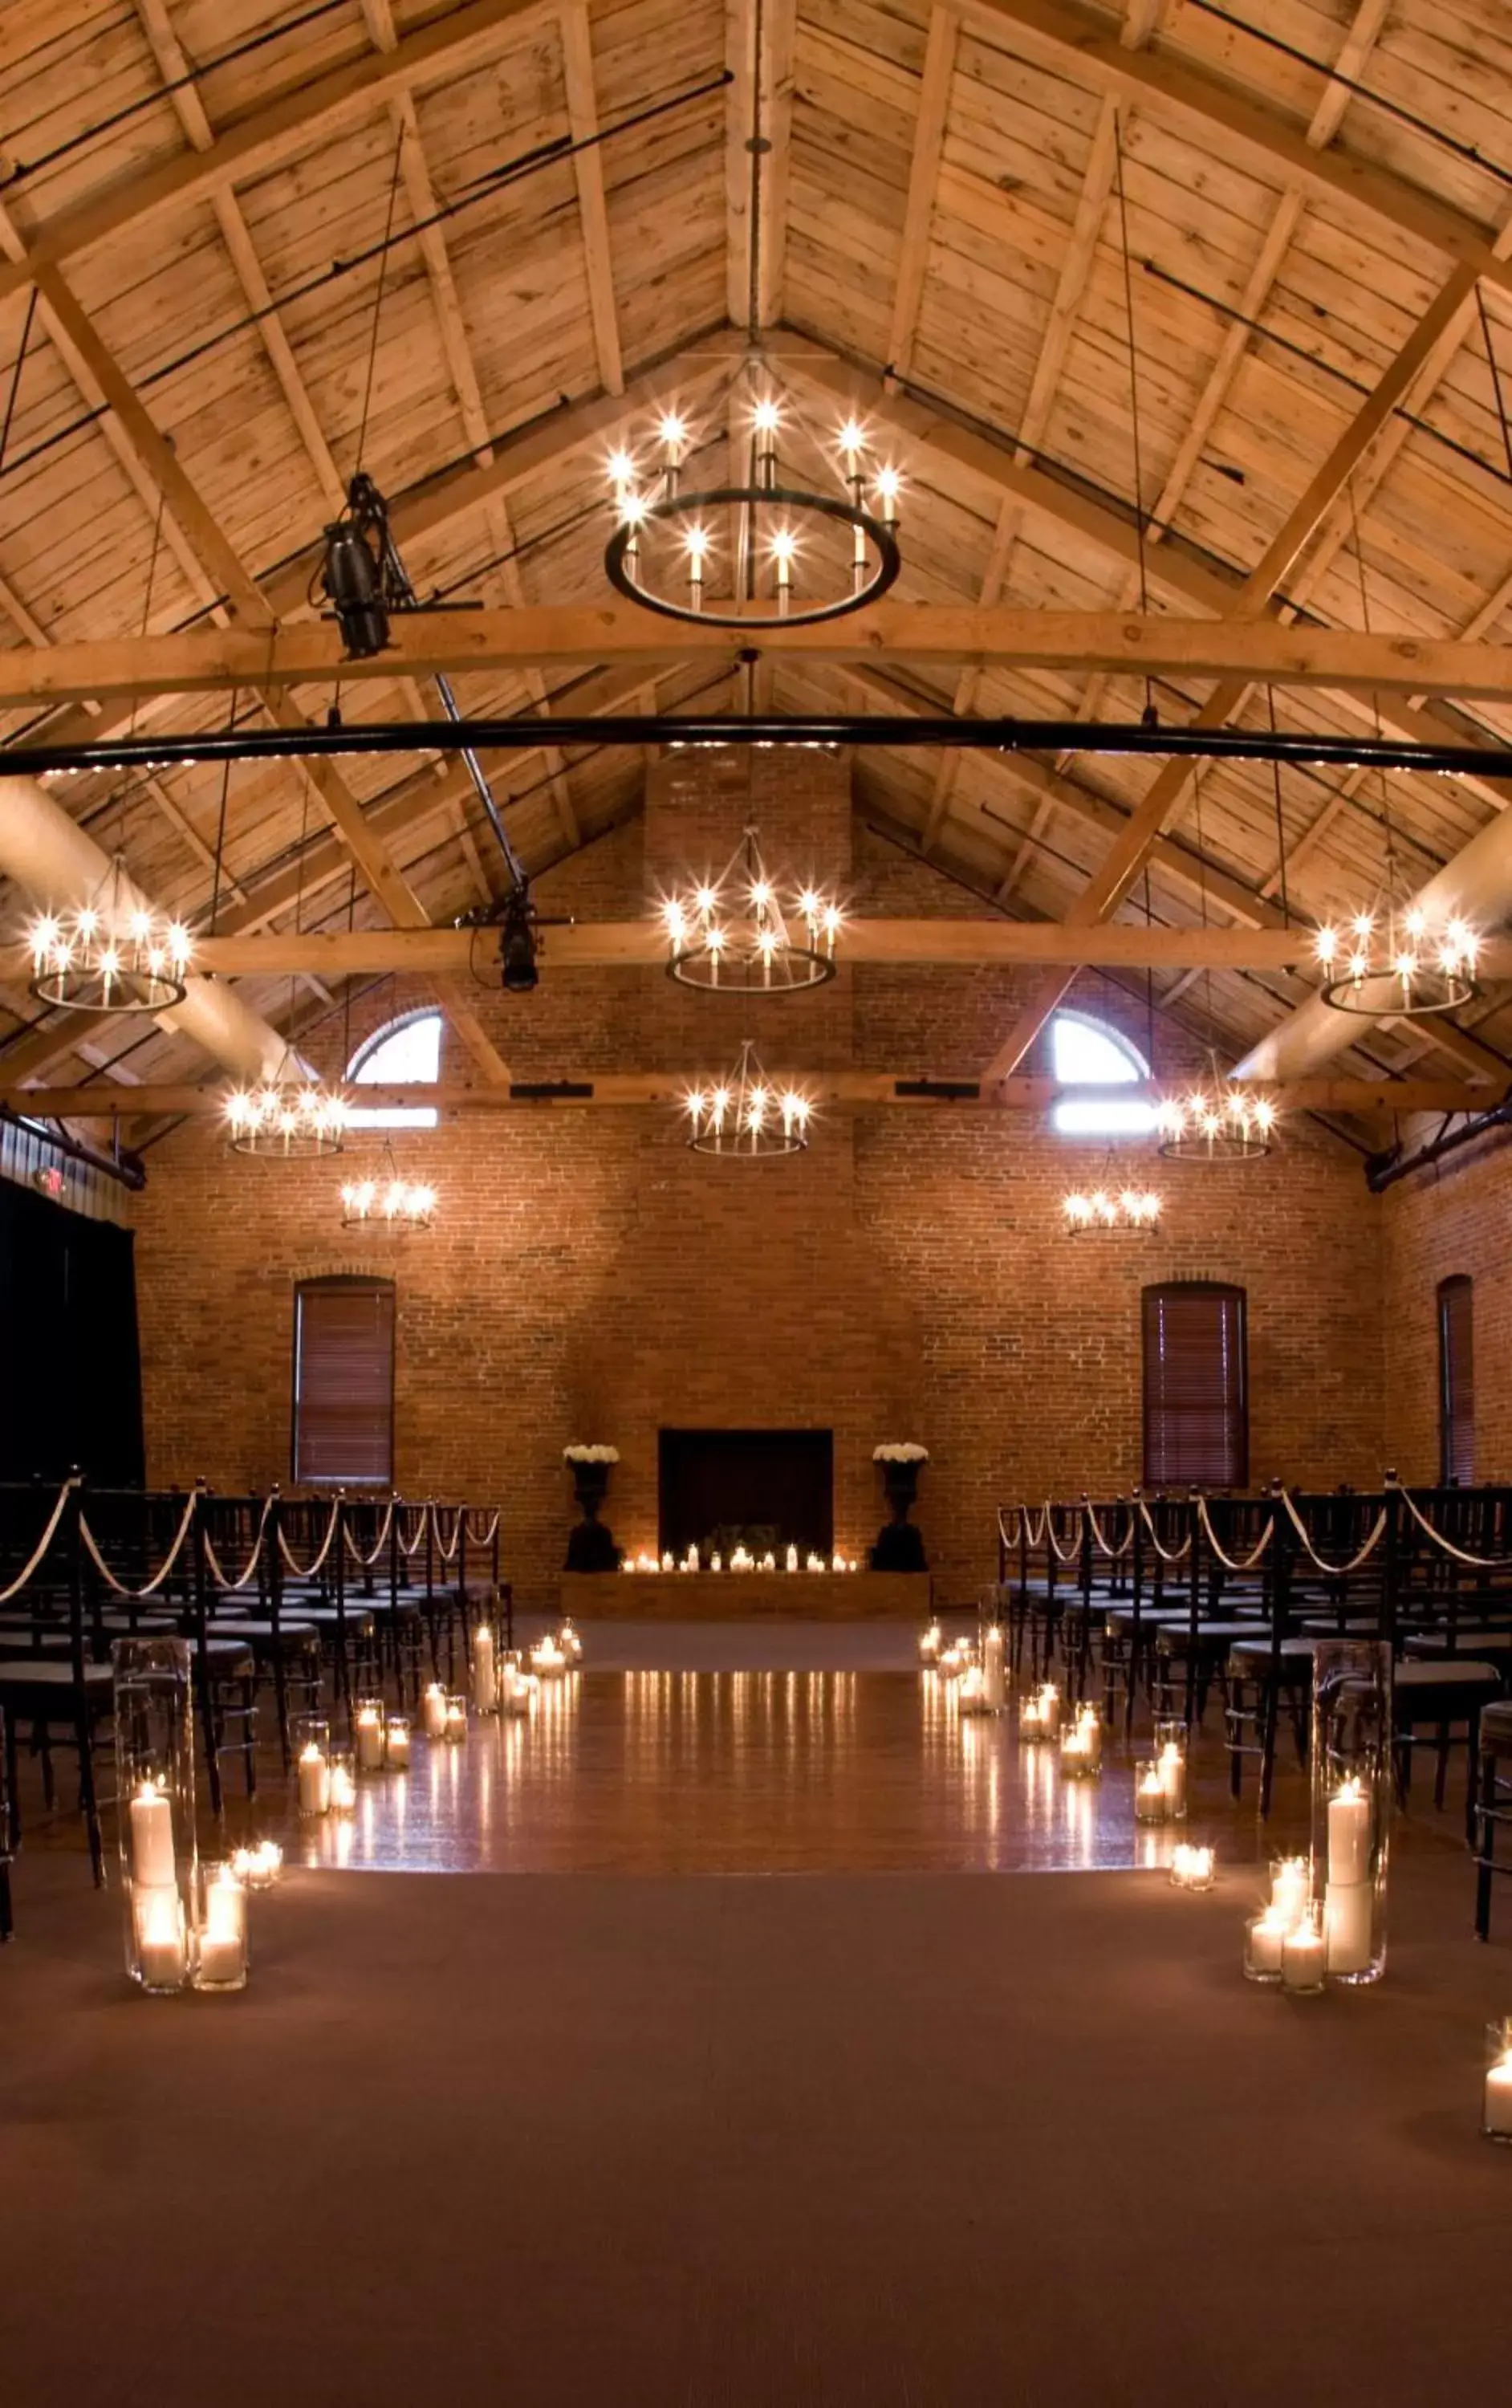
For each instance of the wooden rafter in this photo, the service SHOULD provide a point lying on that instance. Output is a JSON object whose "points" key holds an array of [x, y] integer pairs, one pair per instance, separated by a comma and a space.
{"points": [[979, 634], [758, 54], [641, 943], [1076, 269], [923, 180], [312, 110], [219, 569], [587, 168], [862, 1088], [460, 365]]}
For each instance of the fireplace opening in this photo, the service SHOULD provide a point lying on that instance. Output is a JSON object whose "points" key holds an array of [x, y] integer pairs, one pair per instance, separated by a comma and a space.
{"points": [[764, 1490]]}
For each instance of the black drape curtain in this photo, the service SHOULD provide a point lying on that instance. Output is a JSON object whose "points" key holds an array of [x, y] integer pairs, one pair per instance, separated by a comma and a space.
{"points": [[70, 1368]]}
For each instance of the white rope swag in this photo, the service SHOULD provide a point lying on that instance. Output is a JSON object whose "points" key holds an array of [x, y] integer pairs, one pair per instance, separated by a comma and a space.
{"points": [[463, 1524]]}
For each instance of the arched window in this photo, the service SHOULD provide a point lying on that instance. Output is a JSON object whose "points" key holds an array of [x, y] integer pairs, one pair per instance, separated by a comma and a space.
{"points": [[1087, 1053], [1196, 1386], [400, 1051], [1456, 1381]]}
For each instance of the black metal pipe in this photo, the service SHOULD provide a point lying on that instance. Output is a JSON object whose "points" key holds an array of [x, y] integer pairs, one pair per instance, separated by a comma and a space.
{"points": [[1384, 1171], [127, 1169], [813, 731]]}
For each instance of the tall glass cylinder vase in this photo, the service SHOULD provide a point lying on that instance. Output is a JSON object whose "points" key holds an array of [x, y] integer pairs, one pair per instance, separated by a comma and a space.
{"points": [[992, 1654], [155, 1787], [485, 1648], [1352, 1801]]}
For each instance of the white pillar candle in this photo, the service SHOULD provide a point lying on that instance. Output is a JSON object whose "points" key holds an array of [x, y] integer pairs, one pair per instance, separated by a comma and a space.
{"points": [[668, 1561], [1347, 1924], [396, 1744], [1174, 1780], [1288, 1886], [455, 1726], [342, 1789], [693, 1560], [152, 1838], [369, 1729], [993, 1681], [1348, 1834], [1267, 1936], [792, 1559], [433, 1710], [485, 1676], [1151, 1797], [222, 1944], [1050, 1708], [314, 1781], [1497, 2116], [162, 1950], [1304, 1957]]}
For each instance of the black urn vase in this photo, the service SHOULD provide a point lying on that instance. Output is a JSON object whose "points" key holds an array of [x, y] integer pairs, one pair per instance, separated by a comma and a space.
{"points": [[899, 1547], [591, 1546]]}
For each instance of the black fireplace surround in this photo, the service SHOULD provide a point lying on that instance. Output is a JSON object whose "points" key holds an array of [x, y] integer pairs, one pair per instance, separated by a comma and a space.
{"points": [[764, 1490]]}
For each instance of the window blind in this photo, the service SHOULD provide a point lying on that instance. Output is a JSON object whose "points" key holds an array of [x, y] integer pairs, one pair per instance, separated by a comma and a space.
{"points": [[344, 1382], [1196, 1404], [1457, 1382]]}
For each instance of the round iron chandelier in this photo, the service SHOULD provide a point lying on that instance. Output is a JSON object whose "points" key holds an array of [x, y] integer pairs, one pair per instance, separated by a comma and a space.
{"points": [[1218, 1123], [811, 533], [291, 1117], [1129, 1210], [761, 941], [745, 1117], [388, 1202], [1405, 963], [112, 953]]}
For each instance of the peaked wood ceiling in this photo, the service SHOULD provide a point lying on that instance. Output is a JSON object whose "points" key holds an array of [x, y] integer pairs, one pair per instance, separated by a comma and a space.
{"points": [[1318, 196]]}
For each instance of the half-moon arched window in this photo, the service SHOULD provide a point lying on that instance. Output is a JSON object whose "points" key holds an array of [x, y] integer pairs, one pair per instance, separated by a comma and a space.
{"points": [[402, 1052], [1087, 1053]]}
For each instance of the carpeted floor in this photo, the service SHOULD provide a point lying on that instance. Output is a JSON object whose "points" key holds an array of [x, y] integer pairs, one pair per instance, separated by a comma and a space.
{"points": [[840, 2141]]}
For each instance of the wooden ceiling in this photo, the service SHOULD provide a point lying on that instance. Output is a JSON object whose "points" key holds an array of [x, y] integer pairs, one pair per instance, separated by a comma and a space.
{"points": [[1317, 194]]}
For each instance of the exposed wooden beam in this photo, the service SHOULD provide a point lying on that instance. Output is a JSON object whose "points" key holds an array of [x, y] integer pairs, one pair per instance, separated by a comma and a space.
{"points": [[1076, 269], [1117, 873], [1141, 22], [547, 444], [588, 167], [190, 111], [864, 1088], [1217, 117], [217, 561], [310, 113], [641, 943], [759, 47], [527, 636], [924, 179]]}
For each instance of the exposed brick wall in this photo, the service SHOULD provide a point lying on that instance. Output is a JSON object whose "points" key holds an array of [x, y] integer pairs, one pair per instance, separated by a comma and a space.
{"points": [[1456, 1217], [906, 1278]]}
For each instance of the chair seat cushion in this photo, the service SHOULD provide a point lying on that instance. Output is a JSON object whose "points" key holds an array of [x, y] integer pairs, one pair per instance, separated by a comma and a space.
{"points": [[39, 1672], [1173, 1638], [1473, 1642], [1121, 1618], [294, 1635], [1448, 1673], [1496, 1726], [1249, 1652]]}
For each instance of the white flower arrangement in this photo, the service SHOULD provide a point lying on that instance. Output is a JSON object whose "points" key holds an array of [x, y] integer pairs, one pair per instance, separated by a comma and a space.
{"points": [[580, 1453], [900, 1451]]}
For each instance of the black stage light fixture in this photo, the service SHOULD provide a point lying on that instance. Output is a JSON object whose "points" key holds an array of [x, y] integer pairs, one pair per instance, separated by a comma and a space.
{"points": [[355, 575], [517, 943]]}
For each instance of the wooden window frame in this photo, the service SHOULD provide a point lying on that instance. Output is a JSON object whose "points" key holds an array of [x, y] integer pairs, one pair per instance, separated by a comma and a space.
{"points": [[1237, 1416], [347, 1282], [1456, 1380]]}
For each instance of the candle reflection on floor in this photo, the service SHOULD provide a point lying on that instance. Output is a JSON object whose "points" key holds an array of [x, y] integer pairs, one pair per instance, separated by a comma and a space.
{"points": [[747, 1771]]}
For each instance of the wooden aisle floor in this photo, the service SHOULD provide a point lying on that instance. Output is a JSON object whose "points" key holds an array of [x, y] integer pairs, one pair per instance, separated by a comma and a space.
{"points": [[897, 2134]]}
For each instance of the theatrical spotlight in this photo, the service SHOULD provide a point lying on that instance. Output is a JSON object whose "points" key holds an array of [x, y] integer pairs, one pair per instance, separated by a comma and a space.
{"points": [[517, 943], [357, 575]]}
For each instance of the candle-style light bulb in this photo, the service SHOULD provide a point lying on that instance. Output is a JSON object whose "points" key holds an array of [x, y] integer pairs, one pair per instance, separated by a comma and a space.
{"points": [[888, 487]]}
